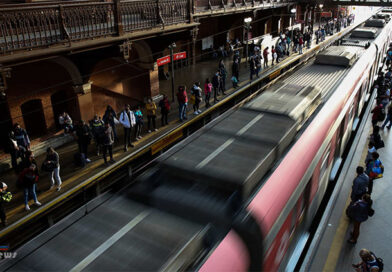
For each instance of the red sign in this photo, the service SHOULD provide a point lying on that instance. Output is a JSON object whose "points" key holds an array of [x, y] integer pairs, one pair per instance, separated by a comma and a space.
{"points": [[326, 14], [166, 59], [178, 56], [163, 61]]}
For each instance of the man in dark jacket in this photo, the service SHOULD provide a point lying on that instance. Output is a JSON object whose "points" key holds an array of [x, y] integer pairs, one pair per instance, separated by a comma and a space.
{"points": [[84, 137], [215, 85], [21, 136], [360, 184], [236, 69]]}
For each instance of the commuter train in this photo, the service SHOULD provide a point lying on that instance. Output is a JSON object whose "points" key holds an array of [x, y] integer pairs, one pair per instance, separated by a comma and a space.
{"points": [[258, 173]]}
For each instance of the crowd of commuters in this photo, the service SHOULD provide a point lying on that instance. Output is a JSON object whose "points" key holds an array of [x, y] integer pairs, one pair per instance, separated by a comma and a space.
{"points": [[360, 208]]}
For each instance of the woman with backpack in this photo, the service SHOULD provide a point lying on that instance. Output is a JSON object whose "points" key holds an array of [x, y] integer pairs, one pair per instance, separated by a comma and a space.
{"points": [[28, 182], [374, 169], [359, 212], [139, 123], [164, 104], [369, 263]]}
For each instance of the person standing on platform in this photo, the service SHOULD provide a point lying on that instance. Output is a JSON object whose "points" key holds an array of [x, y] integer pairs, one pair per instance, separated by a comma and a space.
{"points": [[208, 90], [371, 150], [369, 263], [151, 109], [223, 75], [377, 114], [107, 143], [164, 104], [110, 117], [359, 212], [128, 121], [28, 181], [53, 159], [300, 44], [265, 56], [5, 197], [139, 123], [258, 59], [182, 98], [360, 185], [236, 70], [215, 85], [16, 151], [97, 127], [197, 93], [252, 67], [83, 135], [21, 137], [374, 169]]}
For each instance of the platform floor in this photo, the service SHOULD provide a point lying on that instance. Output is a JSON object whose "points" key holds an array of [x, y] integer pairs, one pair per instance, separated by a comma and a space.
{"points": [[72, 176], [330, 250]]}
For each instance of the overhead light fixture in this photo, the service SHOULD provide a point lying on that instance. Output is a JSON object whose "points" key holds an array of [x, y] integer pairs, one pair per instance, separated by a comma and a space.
{"points": [[293, 10], [248, 20], [321, 6]]}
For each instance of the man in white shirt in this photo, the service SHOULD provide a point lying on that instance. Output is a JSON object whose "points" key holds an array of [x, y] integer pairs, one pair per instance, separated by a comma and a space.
{"points": [[127, 119]]}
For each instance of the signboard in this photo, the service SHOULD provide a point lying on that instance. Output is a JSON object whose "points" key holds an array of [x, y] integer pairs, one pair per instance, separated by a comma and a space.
{"points": [[163, 61], [166, 59], [326, 14], [178, 56]]}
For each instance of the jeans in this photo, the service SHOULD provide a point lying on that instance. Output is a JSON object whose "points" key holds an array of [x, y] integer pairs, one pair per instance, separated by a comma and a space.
{"points": [[55, 175], [30, 190], [387, 120], [208, 95], [182, 111], [127, 137], [151, 119], [300, 48], [107, 148], [164, 118]]}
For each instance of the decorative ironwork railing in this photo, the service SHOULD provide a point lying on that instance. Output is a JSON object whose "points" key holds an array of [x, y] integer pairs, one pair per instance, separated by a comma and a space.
{"points": [[25, 26], [203, 5]]}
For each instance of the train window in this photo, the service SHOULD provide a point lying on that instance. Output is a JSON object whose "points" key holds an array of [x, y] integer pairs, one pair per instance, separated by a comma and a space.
{"points": [[350, 114], [324, 164]]}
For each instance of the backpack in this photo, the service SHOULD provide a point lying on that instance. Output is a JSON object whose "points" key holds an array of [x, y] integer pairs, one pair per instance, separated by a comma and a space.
{"points": [[167, 105], [380, 262]]}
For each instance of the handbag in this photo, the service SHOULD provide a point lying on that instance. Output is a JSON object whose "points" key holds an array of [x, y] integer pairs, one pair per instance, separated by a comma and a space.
{"points": [[192, 100]]}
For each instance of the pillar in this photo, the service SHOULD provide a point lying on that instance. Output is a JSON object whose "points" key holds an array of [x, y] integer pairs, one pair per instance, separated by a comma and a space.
{"points": [[48, 112], [194, 32], [85, 101], [154, 82]]}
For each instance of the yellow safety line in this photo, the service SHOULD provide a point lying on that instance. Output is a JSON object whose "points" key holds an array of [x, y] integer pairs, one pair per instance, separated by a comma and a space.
{"points": [[337, 243], [339, 238]]}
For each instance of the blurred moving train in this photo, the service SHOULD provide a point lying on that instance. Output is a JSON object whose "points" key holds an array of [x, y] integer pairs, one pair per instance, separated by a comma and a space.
{"points": [[241, 193], [263, 169]]}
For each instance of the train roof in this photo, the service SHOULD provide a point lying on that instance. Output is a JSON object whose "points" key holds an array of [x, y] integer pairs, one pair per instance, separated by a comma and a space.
{"points": [[375, 23], [338, 55]]}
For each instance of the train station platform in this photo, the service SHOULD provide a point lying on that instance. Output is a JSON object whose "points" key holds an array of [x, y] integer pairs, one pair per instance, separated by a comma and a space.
{"points": [[329, 250], [75, 178]]}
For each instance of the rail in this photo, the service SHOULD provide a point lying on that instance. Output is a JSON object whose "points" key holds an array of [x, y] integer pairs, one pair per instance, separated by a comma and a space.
{"points": [[27, 27], [228, 5], [30, 26]]}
